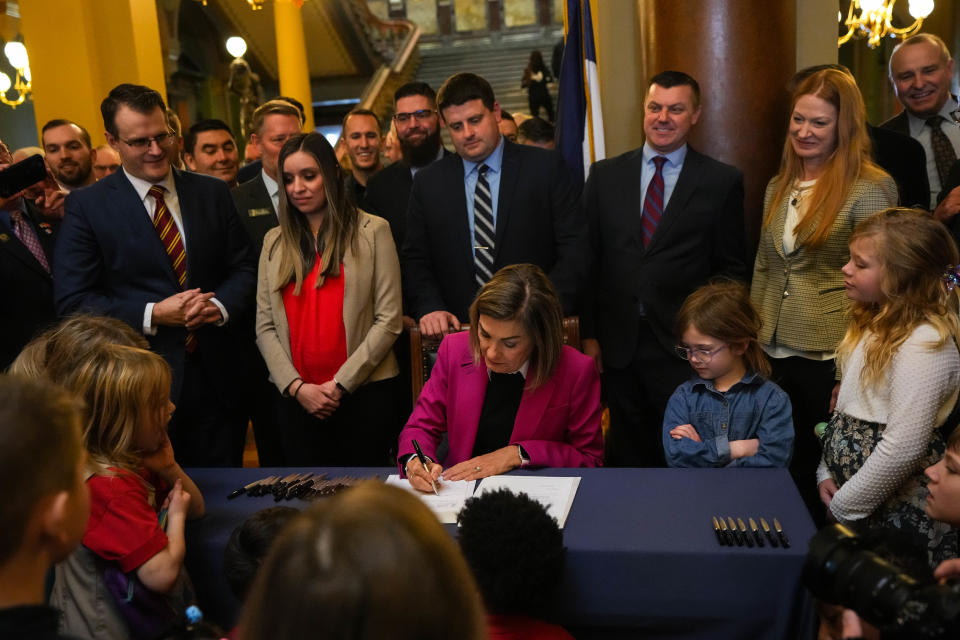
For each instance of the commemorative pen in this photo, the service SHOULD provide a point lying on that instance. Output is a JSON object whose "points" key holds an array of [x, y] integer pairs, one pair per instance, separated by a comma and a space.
{"points": [[756, 532], [423, 461], [734, 532], [716, 529], [727, 536], [780, 534], [766, 532], [744, 533], [248, 488]]}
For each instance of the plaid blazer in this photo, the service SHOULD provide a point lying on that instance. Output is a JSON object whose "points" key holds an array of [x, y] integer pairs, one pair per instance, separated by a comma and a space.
{"points": [[800, 297]]}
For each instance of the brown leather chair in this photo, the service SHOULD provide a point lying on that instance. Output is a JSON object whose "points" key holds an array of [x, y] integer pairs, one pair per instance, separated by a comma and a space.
{"points": [[423, 351]]}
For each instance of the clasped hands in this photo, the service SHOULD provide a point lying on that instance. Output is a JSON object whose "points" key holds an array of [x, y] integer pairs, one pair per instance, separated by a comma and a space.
{"points": [[191, 309], [489, 464], [319, 400]]}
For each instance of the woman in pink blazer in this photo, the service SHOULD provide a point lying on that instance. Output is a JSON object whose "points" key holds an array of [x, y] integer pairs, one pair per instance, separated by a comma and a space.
{"points": [[508, 393]]}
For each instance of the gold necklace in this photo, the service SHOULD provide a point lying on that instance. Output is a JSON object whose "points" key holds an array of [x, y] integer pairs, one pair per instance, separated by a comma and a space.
{"points": [[798, 194]]}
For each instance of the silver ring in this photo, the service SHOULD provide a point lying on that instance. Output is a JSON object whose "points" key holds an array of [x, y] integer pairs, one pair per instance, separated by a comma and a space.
{"points": [[477, 468]]}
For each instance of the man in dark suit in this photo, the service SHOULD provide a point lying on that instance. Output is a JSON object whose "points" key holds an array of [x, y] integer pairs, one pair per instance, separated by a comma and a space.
{"points": [[496, 203], [165, 252], [418, 130], [273, 123], [921, 71], [663, 220]]}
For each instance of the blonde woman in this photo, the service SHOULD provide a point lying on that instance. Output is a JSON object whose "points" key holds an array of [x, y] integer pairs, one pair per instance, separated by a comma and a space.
{"points": [[901, 370], [328, 313], [826, 184]]}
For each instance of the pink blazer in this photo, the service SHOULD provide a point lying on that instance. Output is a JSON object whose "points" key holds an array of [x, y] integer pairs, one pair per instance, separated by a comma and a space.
{"points": [[558, 425]]}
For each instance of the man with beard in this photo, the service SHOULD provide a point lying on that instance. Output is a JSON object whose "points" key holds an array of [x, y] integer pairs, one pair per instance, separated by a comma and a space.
{"points": [[418, 129], [68, 153]]}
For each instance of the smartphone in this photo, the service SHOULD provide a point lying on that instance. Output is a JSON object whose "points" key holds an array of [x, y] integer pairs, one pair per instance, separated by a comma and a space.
{"points": [[22, 175]]}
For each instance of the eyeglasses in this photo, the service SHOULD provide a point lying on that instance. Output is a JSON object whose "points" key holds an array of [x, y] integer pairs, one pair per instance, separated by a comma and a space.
{"points": [[421, 115], [162, 140], [700, 355]]}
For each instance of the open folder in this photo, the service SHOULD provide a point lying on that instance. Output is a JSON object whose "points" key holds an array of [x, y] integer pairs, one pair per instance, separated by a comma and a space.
{"points": [[554, 493]]}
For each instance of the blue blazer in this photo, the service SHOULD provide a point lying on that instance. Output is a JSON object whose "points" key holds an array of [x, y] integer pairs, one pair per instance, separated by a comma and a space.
{"points": [[109, 260]]}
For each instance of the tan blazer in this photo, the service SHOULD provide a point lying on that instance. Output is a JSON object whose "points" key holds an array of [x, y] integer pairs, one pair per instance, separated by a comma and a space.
{"points": [[801, 298], [371, 308]]}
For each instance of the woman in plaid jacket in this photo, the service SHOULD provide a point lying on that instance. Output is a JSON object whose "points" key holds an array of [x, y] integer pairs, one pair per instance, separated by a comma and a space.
{"points": [[827, 183]]}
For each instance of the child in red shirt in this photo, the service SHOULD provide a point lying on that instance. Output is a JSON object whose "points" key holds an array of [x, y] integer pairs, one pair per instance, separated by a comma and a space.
{"points": [[132, 476]]}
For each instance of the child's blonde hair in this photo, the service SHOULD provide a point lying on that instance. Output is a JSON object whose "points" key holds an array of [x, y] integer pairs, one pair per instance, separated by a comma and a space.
{"points": [[723, 310], [122, 386], [914, 251]]}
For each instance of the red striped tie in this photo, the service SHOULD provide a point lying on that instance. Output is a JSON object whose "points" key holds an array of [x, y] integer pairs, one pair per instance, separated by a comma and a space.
{"points": [[173, 244], [653, 202]]}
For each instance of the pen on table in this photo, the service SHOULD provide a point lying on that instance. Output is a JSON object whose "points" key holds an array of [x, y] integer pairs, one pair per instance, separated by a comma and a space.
{"points": [[743, 531], [726, 534], [246, 488], [423, 461], [716, 529], [780, 534], [766, 532], [756, 532], [734, 532]]}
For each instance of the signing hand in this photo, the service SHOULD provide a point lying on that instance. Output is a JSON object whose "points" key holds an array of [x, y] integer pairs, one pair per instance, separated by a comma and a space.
{"points": [[685, 431], [489, 464], [420, 478], [437, 324], [171, 312]]}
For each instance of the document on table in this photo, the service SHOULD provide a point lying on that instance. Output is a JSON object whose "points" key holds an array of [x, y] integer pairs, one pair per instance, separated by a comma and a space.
{"points": [[555, 493], [445, 506]]}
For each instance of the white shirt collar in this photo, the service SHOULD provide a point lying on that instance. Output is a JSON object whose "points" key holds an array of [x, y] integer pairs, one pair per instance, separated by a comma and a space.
{"points": [[522, 370], [142, 187]]}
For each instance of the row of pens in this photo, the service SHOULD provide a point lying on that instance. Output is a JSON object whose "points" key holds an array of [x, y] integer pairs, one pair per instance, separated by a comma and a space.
{"points": [[303, 486], [732, 532]]}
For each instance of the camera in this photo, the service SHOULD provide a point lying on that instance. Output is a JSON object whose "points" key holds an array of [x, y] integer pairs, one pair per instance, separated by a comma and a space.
{"points": [[861, 574]]}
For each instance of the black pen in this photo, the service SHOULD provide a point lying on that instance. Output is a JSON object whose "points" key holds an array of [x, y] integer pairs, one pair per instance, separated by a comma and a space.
{"points": [[743, 530], [734, 532], [766, 532], [756, 532], [780, 534], [727, 536], [716, 528], [423, 461]]}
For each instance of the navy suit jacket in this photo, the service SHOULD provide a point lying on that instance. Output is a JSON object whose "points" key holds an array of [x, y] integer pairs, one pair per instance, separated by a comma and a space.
{"points": [[539, 220], [701, 235], [26, 287], [110, 261]]}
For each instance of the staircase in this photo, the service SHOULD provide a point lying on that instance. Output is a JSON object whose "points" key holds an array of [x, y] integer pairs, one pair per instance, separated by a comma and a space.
{"points": [[501, 63]]}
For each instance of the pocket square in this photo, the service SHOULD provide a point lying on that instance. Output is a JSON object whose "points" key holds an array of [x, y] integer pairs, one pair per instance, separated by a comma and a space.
{"points": [[255, 213]]}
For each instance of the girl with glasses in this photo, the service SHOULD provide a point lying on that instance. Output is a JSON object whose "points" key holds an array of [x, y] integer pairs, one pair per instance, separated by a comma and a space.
{"points": [[729, 415]]}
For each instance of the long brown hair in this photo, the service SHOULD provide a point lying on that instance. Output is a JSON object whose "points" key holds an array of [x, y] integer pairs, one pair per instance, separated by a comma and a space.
{"points": [[298, 247], [723, 310], [372, 563], [122, 387], [850, 160], [913, 250], [523, 292]]}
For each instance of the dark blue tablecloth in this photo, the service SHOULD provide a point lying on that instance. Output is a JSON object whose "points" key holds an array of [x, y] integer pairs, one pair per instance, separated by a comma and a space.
{"points": [[642, 558]]}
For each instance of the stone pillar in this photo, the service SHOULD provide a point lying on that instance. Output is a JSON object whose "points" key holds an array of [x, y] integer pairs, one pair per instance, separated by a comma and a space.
{"points": [[292, 56], [743, 54], [80, 50]]}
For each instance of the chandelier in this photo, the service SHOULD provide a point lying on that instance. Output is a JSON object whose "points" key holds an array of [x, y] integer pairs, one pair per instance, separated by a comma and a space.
{"points": [[17, 56], [872, 19]]}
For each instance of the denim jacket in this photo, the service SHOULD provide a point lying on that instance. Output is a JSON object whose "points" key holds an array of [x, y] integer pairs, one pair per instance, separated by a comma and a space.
{"points": [[751, 408]]}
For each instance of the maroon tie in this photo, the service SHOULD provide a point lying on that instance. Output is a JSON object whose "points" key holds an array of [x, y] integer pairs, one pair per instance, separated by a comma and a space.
{"points": [[26, 234], [173, 244], [653, 202]]}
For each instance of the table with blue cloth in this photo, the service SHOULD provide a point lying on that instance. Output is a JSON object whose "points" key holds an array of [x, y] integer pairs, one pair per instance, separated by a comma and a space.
{"points": [[642, 557]]}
